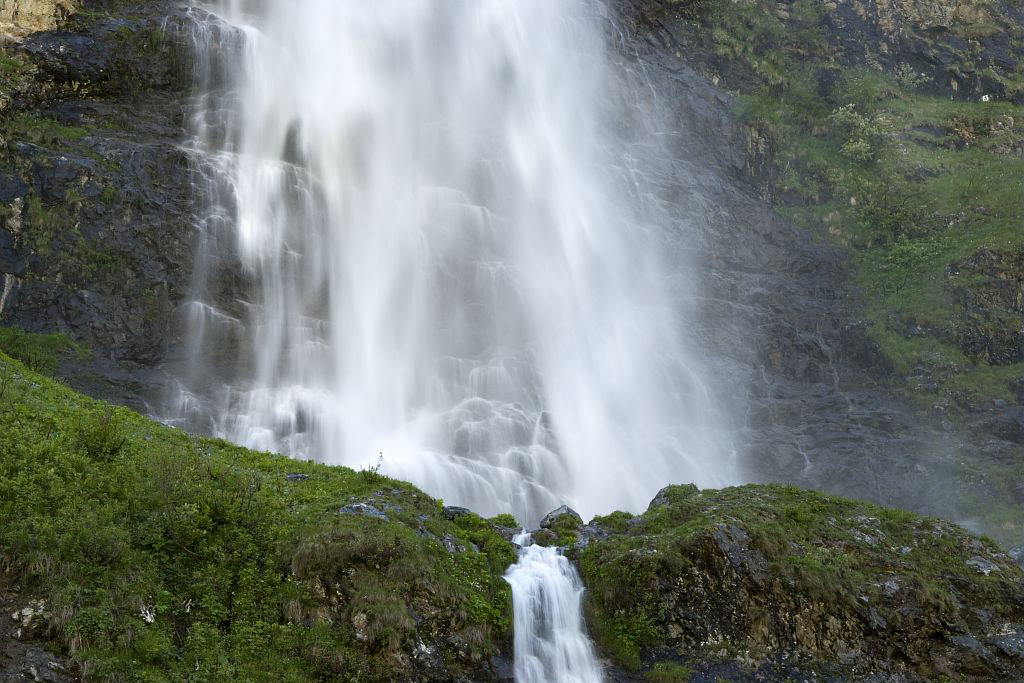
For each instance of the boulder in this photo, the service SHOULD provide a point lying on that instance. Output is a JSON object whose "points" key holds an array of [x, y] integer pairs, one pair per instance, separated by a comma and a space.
{"points": [[452, 512], [562, 518]]}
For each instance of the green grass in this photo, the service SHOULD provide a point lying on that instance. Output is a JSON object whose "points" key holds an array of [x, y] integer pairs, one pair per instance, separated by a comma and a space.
{"points": [[668, 672], [251, 576], [39, 352]]}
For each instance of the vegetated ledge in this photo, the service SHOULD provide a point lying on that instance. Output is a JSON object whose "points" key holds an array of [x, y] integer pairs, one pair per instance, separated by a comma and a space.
{"points": [[142, 553], [777, 583]]}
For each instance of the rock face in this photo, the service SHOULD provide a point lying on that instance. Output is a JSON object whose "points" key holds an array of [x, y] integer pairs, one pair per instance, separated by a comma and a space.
{"points": [[778, 582], [779, 313], [95, 199], [22, 621]]}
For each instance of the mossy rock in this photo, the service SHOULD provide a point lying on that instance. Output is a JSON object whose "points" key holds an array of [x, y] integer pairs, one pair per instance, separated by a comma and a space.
{"points": [[771, 573]]}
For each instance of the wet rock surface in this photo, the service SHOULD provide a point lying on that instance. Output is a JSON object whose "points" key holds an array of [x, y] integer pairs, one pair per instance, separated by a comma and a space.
{"points": [[779, 313], [23, 624], [95, 198]]}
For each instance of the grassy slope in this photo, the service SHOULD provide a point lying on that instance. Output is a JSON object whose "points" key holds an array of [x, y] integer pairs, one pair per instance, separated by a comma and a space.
{"points": [[250, 576]]}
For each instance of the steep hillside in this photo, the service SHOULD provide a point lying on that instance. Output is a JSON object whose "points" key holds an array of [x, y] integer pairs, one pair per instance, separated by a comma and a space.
{"points": [[142, 553]]}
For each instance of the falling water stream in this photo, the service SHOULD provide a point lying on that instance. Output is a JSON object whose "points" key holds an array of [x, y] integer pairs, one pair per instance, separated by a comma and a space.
{"points": [[550, 642], [430, 241]]}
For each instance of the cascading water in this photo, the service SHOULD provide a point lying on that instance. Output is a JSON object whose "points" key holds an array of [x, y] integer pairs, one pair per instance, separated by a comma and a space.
{"points": [[430, 239], [550, 643]]}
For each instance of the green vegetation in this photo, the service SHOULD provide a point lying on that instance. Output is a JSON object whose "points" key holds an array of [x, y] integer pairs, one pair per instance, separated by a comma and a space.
{"points": [[561, 531], [505, 520], [39, 352], [166, 557], [921, 184], [913, 183], [727, 560], [669, 672]]}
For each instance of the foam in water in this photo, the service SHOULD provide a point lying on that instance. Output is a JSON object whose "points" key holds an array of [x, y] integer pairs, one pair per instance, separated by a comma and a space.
{"points": [[429, 237], [551, 644]]}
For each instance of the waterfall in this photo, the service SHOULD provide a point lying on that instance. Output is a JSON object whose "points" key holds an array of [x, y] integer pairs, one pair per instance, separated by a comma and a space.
{"points": [[430, 238], [550, 643]]}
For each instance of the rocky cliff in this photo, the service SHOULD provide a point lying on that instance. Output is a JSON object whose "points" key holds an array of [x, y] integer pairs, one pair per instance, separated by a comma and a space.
{"points": [[95, 199], [889, 136], [873, 355]]}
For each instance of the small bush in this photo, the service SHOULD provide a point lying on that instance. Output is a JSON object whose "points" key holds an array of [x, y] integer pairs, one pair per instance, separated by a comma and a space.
{"points": [[505, 520], [100, 436]]}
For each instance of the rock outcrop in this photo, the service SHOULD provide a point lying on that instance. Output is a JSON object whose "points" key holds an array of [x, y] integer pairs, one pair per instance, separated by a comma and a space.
{"points": [[772, 583]]}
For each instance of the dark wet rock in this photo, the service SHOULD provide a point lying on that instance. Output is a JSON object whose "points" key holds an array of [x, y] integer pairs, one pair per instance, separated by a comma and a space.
{"points": [[503, 668], [969, 644], [362, 509], [562, 518], [451, 512], [116, 57], [23, 655], [1008, 426], [588, 533], [11, 187], [296, 477], [1011, 644], [108, 189]]}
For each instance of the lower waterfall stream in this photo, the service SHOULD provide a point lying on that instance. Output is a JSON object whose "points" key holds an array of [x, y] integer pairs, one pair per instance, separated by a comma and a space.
{"points": [[550, 642]]}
